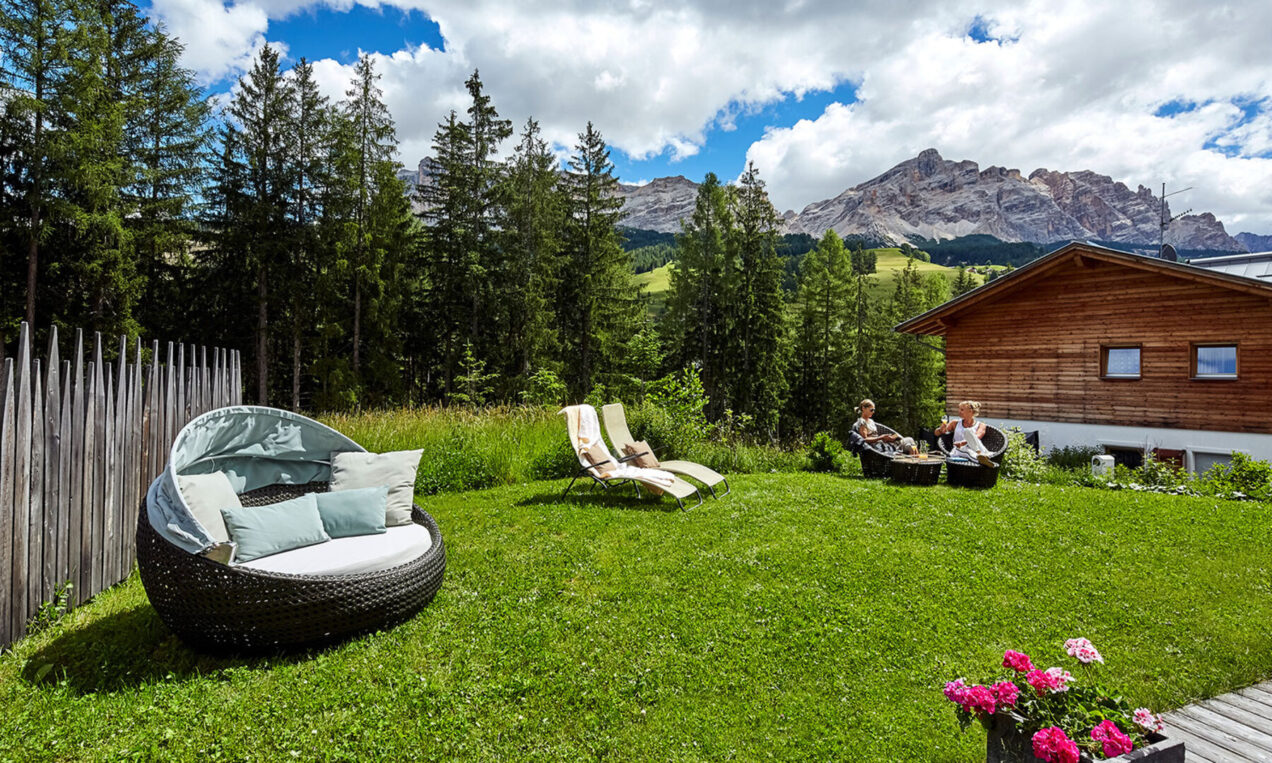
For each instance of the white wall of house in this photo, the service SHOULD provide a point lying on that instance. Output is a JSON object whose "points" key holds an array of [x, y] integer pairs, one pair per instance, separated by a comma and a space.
{"points": [[1201, 449]]}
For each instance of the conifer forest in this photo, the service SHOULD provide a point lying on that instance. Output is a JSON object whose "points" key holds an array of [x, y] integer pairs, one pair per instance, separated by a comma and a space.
{"points": [[276, 221]]}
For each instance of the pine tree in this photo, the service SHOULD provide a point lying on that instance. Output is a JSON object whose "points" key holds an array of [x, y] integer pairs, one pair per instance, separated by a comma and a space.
{"points": [[33, 68], [375, 143], [261, 108], [702, 301], [445, 202], [533, 219], [598, 305], [166, 137], [760, 385], [821, 391], [964, 281], [916, 368]]}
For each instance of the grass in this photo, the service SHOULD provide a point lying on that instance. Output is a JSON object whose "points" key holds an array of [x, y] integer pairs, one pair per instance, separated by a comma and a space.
{"points": [[803, 617]]}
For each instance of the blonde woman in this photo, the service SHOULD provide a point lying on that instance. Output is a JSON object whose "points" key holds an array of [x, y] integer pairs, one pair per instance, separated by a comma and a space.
{"points": [[967, 434], [869, 431]]}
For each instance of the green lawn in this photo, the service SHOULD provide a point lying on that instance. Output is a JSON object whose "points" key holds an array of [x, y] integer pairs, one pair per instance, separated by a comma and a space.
{"points": [[803, 617]]}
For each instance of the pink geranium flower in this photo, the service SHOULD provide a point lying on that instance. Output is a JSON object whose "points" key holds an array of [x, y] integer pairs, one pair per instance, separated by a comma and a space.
{"points": [[1054, 746], [1007, 692], [954, 691], [1145, 719], [1112, 739], [980, 699], [1050, 680], [1017, 661], [1083, 651]]}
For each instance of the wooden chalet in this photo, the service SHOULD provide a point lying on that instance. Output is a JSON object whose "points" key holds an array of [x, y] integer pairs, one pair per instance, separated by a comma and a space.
{"points": [[1093, 346]]}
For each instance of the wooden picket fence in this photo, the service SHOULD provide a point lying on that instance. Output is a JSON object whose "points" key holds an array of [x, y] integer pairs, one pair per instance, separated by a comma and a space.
{"points": [[80, 442]]}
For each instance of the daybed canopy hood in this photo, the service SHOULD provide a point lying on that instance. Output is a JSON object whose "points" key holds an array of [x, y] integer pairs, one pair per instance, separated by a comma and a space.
{"points": [[255, 446]]}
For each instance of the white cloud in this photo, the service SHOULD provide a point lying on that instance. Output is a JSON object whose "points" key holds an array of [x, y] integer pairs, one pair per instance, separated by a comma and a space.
{"points": [[1077, 89], [1071, 84], [220, 40]]}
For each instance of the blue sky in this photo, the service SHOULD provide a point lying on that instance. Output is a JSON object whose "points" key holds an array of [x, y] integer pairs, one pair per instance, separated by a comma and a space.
{"points": [[820, 94]]}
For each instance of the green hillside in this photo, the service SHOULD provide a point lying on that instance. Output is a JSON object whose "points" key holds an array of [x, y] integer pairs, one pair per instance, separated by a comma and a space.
{"points": [[890, 262]]}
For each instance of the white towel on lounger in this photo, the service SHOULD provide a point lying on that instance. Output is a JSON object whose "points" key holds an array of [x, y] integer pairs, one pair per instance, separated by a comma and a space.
{"points": [[590, 435]]}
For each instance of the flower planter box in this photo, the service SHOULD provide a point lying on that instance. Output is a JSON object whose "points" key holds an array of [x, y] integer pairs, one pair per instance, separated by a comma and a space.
{"points": [[1006, 744]]}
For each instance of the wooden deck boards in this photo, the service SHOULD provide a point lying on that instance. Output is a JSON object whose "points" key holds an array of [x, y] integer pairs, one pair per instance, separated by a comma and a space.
{"points": [[1232, 727]]}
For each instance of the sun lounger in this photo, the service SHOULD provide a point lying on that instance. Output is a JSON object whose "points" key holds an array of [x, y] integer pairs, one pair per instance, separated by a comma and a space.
{"points": [[599, 465], [622, 440]]}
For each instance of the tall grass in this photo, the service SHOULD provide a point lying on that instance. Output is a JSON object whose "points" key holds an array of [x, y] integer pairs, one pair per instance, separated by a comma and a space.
{"points": [[468, 449]]}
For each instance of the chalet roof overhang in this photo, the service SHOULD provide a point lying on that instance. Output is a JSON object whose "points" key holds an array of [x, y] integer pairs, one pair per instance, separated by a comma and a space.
{"points": [[936, 322]]}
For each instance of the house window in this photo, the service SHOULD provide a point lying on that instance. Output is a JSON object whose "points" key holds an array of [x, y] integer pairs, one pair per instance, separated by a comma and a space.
{"points": [[1131, 458], [1120, 362], [1214, 361]]}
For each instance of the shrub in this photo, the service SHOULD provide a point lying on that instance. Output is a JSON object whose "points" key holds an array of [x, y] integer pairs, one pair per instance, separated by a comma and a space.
{"points": [[1020, 461], [1248, 476], [1074, 457], [1157, 473], [825, 453], [545, 388]]}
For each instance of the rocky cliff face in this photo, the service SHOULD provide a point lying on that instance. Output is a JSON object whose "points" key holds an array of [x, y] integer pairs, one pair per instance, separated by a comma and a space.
{"points": [[660, 204], [1254, 242], [933, 198]]}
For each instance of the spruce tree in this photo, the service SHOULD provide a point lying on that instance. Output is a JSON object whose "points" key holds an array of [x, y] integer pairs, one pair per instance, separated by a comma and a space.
{"points": [[33, 68], [701, 304], [821, 390], [375, 143], [759, 373], [261, 109], [534, 212], [599, 309]]}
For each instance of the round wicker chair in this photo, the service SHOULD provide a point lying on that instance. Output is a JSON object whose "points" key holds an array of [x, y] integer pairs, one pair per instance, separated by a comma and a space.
{"points": [[966, 474], [874, 463], [217, 608], [994, 440]]}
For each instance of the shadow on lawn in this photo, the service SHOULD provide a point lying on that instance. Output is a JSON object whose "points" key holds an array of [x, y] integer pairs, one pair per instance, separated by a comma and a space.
{"points": [[125, 650], [616, 498]]}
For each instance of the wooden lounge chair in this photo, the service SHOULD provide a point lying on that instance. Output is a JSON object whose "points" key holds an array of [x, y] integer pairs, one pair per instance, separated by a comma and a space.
{"points": [[621, 438], [608, 471]]}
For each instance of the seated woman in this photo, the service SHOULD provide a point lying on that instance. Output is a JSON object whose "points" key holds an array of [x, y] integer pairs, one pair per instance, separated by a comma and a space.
{"points": [[967, 434], [869, 431]]}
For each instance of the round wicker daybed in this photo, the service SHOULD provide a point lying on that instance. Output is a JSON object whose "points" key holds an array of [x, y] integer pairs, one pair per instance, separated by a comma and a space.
{"points": [[271, 456]]}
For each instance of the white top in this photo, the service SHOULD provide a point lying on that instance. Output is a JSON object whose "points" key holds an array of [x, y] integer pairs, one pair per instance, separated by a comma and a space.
{"points": [[869, 424]]}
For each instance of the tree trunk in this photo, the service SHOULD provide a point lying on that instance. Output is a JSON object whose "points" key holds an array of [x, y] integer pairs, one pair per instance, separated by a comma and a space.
{"points": [[295, 366], [357, 322], [262, 338]]}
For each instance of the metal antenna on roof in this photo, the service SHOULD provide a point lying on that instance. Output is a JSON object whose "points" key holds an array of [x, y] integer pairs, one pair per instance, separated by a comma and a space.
{"points": [[1166, 221]]}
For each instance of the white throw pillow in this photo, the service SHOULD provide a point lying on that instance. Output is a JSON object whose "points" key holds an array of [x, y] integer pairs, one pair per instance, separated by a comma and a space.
{"points": [[206, 495], [395, 470]]}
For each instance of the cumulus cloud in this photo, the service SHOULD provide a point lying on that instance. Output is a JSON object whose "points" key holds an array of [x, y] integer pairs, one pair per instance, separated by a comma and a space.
{"points": [[220, 40], [1075, 84]]}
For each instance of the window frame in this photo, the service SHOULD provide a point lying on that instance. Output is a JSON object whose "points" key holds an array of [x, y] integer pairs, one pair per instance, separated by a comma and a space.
{"points": [[1104, 361], [1193, 347]]}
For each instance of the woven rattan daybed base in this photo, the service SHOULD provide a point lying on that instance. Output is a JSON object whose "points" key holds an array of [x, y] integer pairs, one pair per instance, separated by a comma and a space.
{"points": [[222, 609]]}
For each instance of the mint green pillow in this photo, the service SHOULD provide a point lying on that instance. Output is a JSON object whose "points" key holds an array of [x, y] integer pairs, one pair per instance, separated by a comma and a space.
{"points": [[353, 512], [263, 530]]}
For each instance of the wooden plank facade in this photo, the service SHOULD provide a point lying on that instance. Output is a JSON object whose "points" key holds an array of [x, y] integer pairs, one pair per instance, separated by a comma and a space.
{"points": [[1029, 345], [80, 443]]}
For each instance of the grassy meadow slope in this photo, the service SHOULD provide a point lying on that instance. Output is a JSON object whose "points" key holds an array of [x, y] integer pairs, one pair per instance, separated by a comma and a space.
{"points": [[890, 262]]}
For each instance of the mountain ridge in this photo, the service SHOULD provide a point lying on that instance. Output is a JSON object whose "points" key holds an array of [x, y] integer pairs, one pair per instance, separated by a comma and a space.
{"points": [[932, 198]]}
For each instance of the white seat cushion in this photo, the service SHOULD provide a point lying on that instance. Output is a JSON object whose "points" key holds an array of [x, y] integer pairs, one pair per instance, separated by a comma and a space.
{"points": [[350, 556]]}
